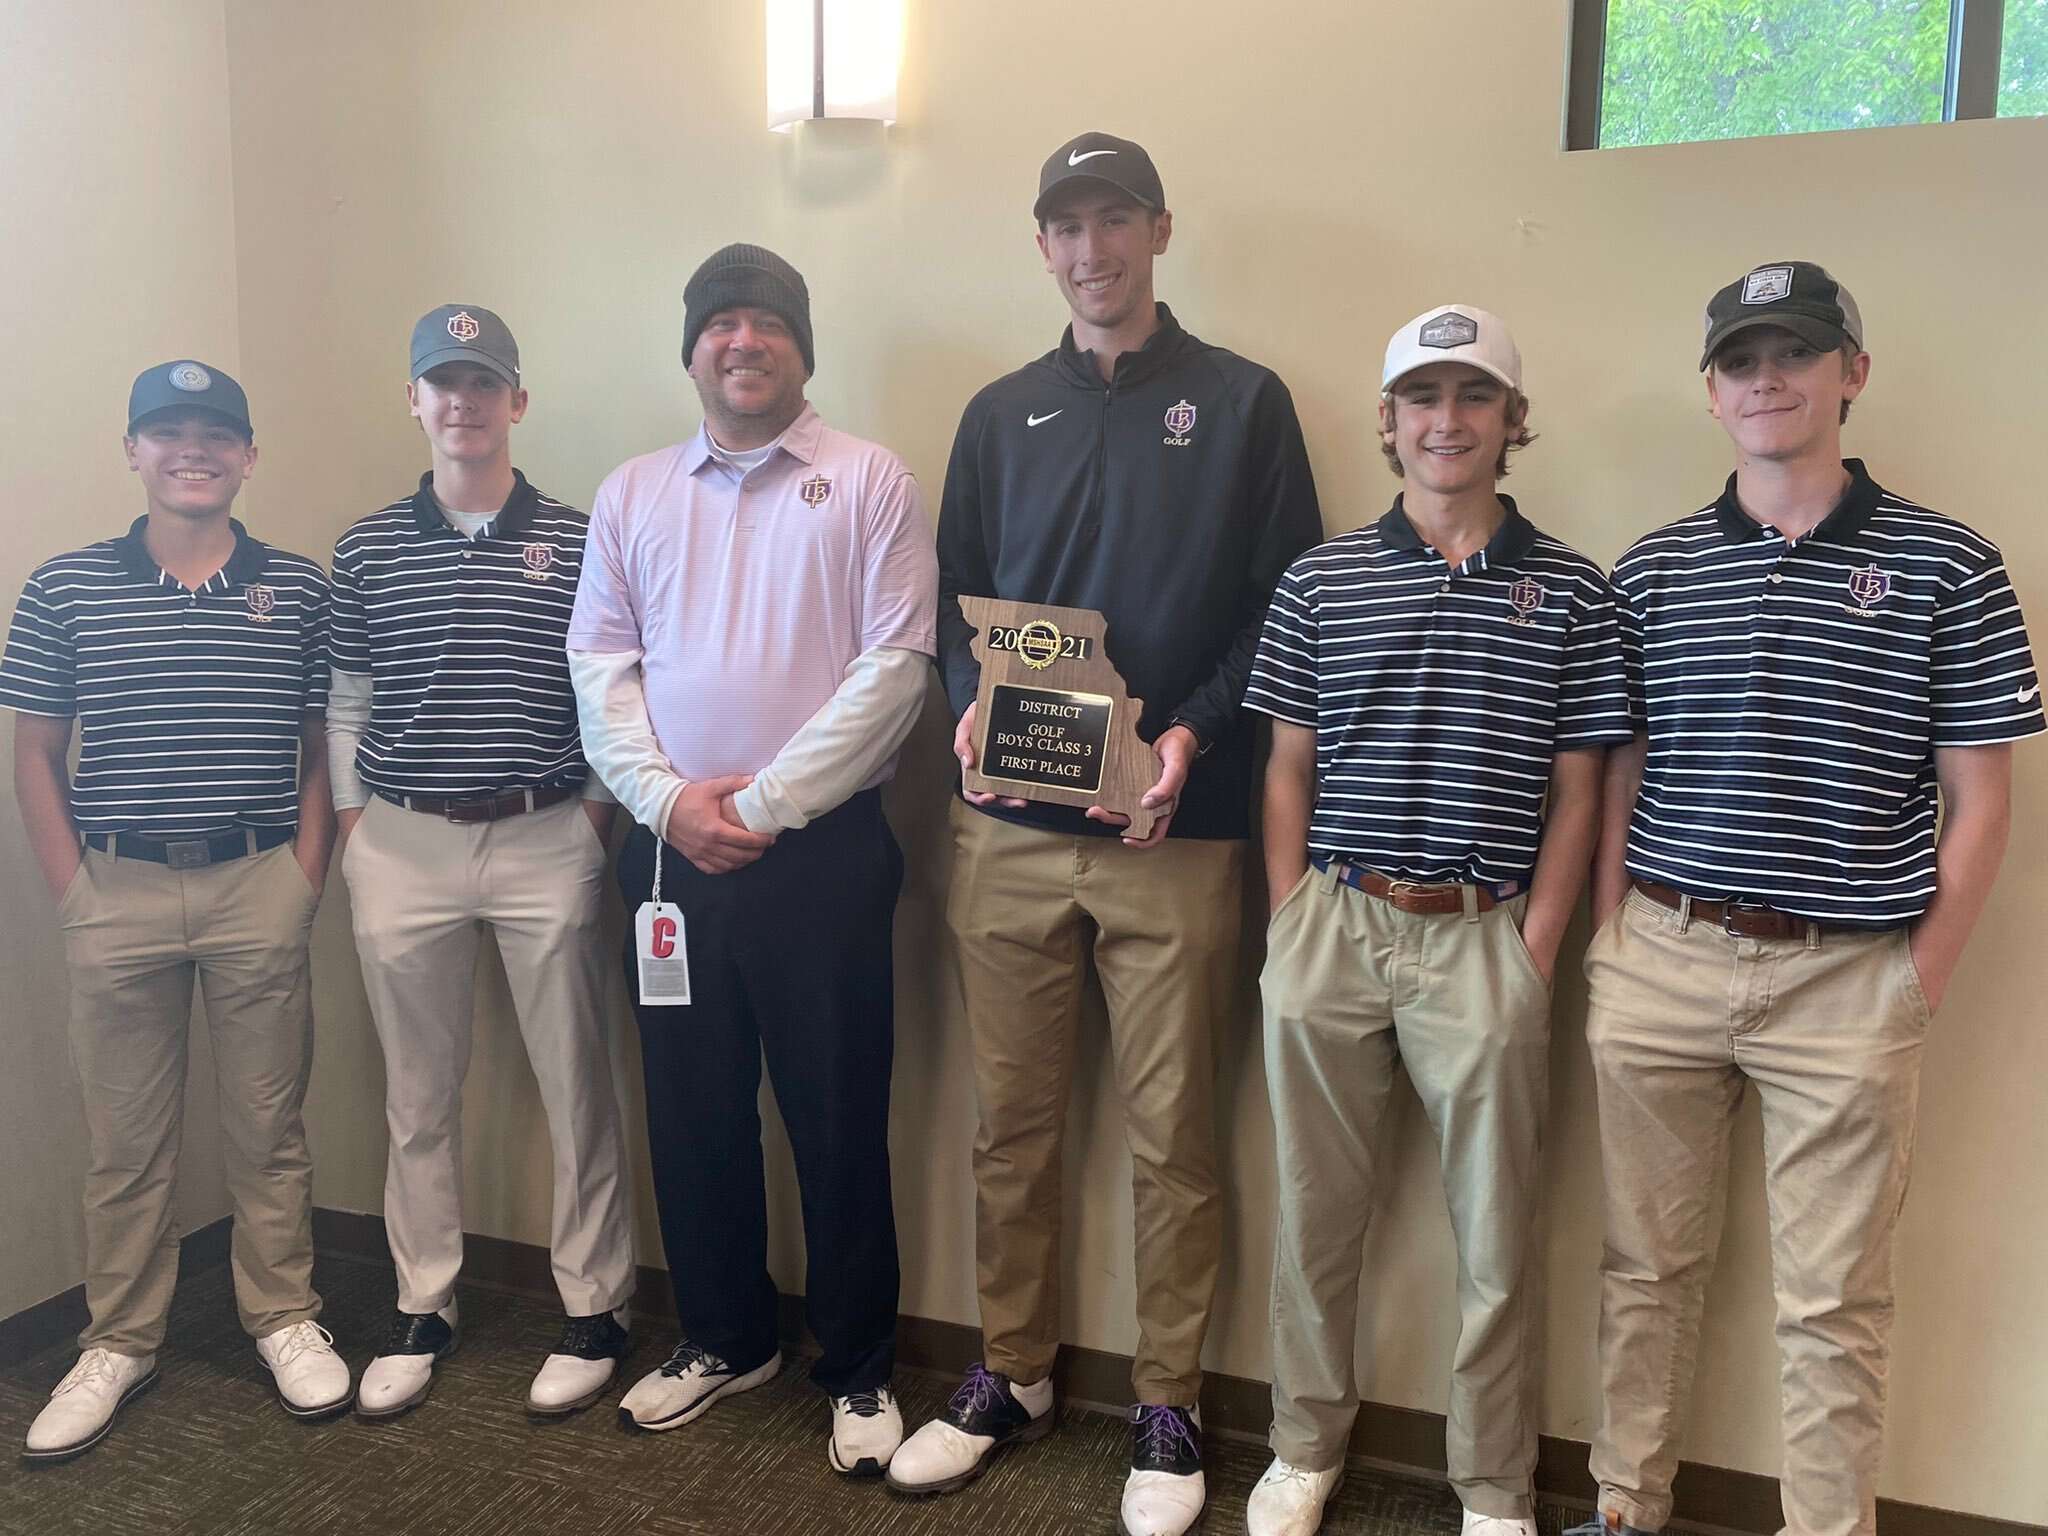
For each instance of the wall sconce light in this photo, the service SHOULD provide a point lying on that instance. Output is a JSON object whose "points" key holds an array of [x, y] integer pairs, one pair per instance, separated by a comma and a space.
{"points": [[832, 58]]}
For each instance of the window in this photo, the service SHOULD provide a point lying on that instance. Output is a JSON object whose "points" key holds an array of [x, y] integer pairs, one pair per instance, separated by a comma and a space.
{"points": [[1673, 71]]}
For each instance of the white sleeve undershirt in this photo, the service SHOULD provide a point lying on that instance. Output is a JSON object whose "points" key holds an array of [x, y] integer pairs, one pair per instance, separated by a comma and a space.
{"points": [[348, 716], [618, 738], [843, 745]]}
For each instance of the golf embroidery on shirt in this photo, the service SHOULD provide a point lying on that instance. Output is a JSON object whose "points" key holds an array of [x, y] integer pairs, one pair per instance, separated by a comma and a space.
{"points": [[814, 490], [262, 603], [1525, 596], [1180, 421], [1869, 587]]}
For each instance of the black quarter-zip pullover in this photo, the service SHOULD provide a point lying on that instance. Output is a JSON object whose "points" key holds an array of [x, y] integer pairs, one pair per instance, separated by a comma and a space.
{"points": [[1170, 500]]}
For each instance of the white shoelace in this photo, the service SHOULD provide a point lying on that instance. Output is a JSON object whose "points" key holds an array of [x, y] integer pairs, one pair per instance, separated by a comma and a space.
{"points": [[1286, 1472], [301, 1338], [94, 1366]]}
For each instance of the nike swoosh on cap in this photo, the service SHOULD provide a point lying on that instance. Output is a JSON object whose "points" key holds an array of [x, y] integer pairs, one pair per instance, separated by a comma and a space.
{"points": [[1032, 421], [1075, 156]]}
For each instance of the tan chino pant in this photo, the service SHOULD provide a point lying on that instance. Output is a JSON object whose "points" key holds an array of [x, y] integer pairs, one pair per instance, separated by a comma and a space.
{"points": [[1683, 1017], [1351, 986], [1029, 909], [422, 889], [135, 934]]}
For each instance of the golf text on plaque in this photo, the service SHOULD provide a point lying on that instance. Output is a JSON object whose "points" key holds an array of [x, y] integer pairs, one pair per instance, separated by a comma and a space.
{"points": [[1053, 720]]}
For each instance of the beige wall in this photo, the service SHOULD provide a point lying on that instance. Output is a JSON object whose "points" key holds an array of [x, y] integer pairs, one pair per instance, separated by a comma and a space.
{"points": [[1332, 173], [117, 250]]}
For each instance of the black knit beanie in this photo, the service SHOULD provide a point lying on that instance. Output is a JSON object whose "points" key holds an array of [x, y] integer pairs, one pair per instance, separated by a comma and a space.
{"points": [[754, 277]]}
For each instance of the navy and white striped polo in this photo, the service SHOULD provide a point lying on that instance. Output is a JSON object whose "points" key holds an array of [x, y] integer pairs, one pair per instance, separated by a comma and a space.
{"points": [[464, 643], [1440, 694], [1794, 694], [189, 703]]}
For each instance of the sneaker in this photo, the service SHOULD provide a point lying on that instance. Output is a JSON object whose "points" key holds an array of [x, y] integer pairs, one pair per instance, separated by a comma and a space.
{"points": [[866, 1429], [986, 1414], [1289, 1500], [685, 1386], [1165, 1492], [312, 1381], [397, 1380], [1598, 1526], [82, 1406], [579, 1370], [1496, 1525]]}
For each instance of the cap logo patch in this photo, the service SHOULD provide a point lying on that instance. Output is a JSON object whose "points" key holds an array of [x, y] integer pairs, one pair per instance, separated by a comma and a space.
{"points": [[1525, 596], [814, 490], [262, 602], [1869, 587], [191, 378], [539, 559], [1451, 330], [1180, 421], [463, 327], [1767, 285]]}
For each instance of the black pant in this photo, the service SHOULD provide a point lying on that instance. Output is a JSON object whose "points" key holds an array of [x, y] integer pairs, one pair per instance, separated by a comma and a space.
{"points": [[789, 956]]}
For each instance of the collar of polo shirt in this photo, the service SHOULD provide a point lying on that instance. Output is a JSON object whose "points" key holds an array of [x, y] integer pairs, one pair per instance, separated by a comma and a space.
{"points": [[799, 439], [1849, 514], [244, 564], [509, 522], [1513, 539]]}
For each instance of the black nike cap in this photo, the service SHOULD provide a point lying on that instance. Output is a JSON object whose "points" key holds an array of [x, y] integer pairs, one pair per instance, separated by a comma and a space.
{"points": [[1105, 158]]}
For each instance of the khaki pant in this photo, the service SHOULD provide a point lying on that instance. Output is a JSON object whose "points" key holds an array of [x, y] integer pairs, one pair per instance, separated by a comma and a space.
{"points": [[422, 888], [135, 933], [1352, 986], [1683, 1016], [1029, 909]]}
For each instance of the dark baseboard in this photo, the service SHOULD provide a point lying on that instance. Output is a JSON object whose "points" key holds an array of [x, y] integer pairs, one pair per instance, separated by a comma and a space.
{"points": [[1236, 1407], [63, 1316]]}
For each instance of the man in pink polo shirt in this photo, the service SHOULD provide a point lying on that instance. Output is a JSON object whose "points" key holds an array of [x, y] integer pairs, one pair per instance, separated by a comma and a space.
{"points": [[755, 616]]}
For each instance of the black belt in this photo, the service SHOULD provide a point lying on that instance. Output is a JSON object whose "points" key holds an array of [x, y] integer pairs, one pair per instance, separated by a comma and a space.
{"points": [[190, 852], [514, 802]]}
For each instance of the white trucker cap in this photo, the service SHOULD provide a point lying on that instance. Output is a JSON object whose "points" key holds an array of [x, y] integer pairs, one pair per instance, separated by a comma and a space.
{"points": [[1454, 333]]}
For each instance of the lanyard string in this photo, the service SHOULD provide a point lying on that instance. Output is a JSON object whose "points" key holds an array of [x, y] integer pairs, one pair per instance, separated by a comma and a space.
{"points": [[657, 871]]}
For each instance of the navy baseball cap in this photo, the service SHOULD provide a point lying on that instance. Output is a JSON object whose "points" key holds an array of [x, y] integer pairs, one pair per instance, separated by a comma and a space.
{"points": [[1799, 296], [464, 333], [1100, 157], [186, 382]]}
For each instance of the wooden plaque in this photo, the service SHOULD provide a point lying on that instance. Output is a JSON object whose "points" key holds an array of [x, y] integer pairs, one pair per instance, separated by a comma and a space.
{"points": [[1053, 720]]}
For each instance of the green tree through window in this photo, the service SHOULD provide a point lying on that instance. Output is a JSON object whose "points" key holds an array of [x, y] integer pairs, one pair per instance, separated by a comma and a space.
{"points": [[1679, 70], [2023, 67]]}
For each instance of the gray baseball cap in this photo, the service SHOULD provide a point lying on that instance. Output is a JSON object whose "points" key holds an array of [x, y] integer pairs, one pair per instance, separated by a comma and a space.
{"points": [[464, 333], [187, 383], [1802, 297]]}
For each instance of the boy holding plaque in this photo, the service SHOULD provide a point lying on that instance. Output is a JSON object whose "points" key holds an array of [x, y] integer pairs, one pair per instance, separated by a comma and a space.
{"points": [[1161, 483], [1443, 684]]}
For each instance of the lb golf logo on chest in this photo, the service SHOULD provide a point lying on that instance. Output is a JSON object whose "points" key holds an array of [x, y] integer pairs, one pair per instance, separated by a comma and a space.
{"points": [[1180, 422], [261, 602], [1868, 587], [1525, 596], [812, 492], [539, 560]]}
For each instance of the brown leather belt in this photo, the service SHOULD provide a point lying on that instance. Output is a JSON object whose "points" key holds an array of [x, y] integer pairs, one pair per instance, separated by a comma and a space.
{"points": [[1744, 922], [1414, 896], [515, 803]]}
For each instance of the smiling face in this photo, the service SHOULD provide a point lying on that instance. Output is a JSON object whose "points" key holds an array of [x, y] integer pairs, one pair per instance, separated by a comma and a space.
{"points": [[1449, 425], [467, 412], [1099, 246], [1780, 397], [192, 461], [749, 372]]}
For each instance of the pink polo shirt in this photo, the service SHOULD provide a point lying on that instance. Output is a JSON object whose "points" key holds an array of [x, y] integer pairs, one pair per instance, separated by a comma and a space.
{"points": [[750, 595]]}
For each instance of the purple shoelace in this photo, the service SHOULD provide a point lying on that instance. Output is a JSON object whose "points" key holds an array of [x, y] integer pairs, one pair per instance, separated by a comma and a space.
{"points": [[1165, 1433]]}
